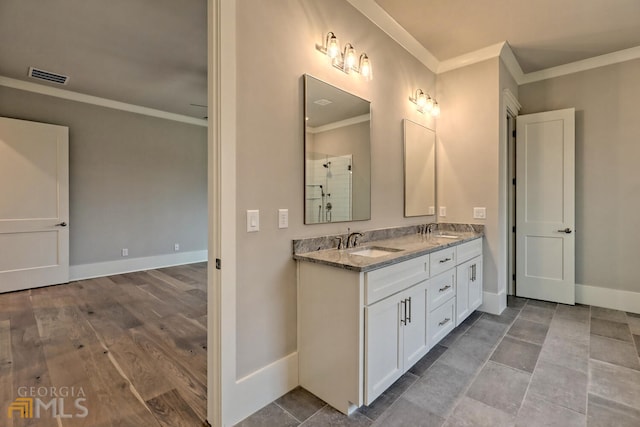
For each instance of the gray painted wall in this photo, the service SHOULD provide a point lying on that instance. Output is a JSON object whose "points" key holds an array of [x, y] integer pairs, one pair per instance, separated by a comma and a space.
{"points": [[276, 46], [135, 181], [607, 160]]}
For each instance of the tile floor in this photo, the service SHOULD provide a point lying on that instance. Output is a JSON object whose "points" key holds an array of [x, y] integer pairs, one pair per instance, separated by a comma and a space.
{"points": [[537, 364]]}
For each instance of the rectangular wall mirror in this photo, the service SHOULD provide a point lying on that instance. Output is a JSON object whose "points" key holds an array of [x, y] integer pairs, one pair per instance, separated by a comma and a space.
{"points": [[419, 170], [337, 151]]}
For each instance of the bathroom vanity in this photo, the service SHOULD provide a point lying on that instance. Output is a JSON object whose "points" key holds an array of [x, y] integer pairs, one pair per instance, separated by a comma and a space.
{"points": [[369, 313]]}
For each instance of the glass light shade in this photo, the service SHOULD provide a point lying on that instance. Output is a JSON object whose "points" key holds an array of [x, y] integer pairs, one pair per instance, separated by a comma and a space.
{"points": [[435, 111], [429, 104], [349, 57], [365, 66], [333, 48], [421, 98]]}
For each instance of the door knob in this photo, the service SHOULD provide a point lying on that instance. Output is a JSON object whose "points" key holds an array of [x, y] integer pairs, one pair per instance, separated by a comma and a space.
{"points": [[566, 230], [62, 224]]}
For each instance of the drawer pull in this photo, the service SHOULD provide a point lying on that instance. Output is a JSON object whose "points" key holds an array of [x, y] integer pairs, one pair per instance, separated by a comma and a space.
{"points": [[404, 314], [444, 260], [409, 317], [444, 322], [444, 289]]}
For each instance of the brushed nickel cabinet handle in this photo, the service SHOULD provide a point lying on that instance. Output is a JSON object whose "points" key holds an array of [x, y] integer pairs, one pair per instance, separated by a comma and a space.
{"points": [[444, 289], [409, 317], [404, 314], [444, 322], [445, 260]]}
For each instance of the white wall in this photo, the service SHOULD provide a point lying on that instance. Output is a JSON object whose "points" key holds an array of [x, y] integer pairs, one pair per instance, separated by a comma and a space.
{"points": [[275, 47], [468, 153], [607, 177]]}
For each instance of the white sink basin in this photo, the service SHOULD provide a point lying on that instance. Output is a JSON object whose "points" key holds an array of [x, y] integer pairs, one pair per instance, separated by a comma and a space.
{"points": [[447, 236], [374, 251]]}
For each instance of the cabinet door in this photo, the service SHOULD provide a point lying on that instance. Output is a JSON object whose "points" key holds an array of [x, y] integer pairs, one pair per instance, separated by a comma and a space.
{"points": [[463, 276], [416, 341], [475, 284], [383, 345]]}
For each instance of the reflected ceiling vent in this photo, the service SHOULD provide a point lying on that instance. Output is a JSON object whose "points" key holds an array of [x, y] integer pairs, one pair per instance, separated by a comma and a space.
{"points": [[48, 76]]}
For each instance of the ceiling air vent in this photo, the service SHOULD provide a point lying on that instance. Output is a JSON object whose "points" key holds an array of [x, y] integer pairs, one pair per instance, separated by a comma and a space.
{"points": [[48, 76]]}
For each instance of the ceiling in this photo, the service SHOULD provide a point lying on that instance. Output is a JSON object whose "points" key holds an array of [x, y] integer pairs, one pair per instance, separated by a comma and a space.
{"points": [[541, 33], [153, 53]]}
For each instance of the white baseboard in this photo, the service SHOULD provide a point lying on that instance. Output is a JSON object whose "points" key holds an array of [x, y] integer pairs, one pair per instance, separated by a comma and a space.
{"points": [[262, 387], [493, 303], [128, 265], [608, 298]]}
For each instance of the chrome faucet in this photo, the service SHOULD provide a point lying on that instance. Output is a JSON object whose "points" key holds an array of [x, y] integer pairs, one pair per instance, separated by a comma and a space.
{"points": [[427, 229], [352, 243]]}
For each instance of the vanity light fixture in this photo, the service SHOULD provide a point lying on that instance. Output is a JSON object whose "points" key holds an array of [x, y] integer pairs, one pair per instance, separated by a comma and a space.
{"points": [[425, 103], [345, 60]]}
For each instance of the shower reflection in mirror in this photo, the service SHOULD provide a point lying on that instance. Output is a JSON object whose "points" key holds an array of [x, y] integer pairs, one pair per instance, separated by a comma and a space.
{"points": [[337, 154]]}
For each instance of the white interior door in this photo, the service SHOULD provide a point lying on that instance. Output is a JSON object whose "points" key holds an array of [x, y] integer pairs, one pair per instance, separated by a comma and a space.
{"points": [[34, 204], [545, 211]]}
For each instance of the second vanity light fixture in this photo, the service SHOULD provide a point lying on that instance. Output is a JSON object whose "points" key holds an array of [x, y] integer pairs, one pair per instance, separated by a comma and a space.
{"points": [[425, 103], [346, 60]]}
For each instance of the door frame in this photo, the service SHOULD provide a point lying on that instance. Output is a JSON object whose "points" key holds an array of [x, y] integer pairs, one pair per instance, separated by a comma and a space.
{"points": [[509, 107]]}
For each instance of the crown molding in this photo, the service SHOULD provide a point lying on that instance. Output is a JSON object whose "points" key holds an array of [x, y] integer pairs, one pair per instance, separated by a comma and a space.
{"points": [[386, 23], [583, 65], [94, 100], [471, 58]]}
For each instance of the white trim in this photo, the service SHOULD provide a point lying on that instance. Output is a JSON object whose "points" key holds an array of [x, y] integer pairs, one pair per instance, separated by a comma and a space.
{"points": [[340, 124], [511, 103], [94, 100], [493, 303], [584, 65], [609, 298], [511, 62], [128, 265], [474, 57], [386, 23], [263, 386]]}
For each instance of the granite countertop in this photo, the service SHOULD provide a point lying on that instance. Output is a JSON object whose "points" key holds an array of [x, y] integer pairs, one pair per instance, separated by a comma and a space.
{"points": [[408, 246]]}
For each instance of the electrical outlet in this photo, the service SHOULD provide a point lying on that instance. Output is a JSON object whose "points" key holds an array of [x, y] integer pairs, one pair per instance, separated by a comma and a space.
{"points": [[176, 247], [480, 213], [432, 210], [125, 252], [443, 211]]}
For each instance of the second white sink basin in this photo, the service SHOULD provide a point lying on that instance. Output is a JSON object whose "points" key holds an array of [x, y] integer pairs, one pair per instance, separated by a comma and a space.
{"points": [[374, 251], [447, 236]]}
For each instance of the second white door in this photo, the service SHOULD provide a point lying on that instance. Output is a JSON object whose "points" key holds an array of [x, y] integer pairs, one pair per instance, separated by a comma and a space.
{"points": [[545, 206]]}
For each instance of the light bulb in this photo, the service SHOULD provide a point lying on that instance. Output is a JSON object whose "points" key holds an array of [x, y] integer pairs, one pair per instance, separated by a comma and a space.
{"points": [[333, 49]]}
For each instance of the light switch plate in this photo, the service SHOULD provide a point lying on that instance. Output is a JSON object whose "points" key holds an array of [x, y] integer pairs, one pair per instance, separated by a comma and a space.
{"points": [[443, 211], [283, 218], [253, 221], [480, 213], [432, 210]]}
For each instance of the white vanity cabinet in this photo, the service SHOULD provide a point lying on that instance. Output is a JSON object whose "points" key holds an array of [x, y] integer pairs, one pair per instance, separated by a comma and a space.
{"points": [[358, 332], [468, 279], [395, 338]]}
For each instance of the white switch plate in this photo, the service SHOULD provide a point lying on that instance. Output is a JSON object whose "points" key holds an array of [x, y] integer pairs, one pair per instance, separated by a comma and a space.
{"points": [[253, 221], [443, 211], [480, 213], [176, 247], [283, 218], [125, 252], [432, 210]]}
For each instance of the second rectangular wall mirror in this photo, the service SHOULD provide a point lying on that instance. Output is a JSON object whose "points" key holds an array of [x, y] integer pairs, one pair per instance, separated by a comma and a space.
{"points": [[419, 170]]}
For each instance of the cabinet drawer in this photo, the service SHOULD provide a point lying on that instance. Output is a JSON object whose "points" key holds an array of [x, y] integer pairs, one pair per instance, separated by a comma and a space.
{"points": [[387, 281], [469, 250], [441, 288], [442, 260], [441, 321]]}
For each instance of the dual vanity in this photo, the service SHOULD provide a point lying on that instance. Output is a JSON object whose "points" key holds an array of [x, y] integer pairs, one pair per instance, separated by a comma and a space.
{"points": [[368, 313]]}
